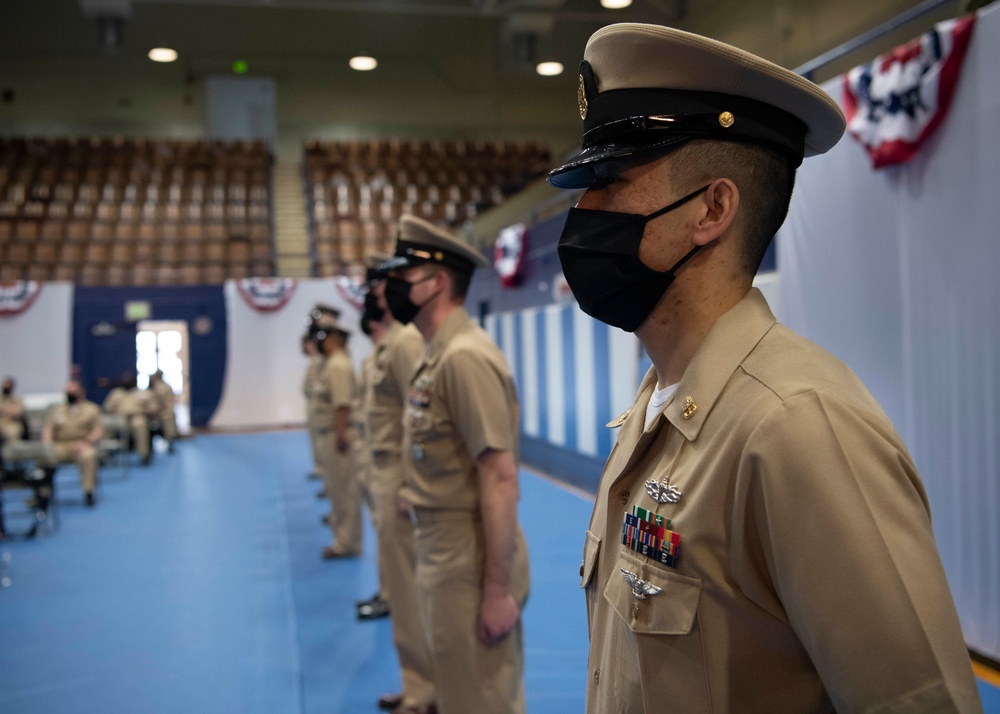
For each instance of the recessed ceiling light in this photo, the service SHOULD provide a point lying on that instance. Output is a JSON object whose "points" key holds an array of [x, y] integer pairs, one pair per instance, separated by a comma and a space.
{"points": [[549, 69], [363, 63], [615, 4], [162, 54]]}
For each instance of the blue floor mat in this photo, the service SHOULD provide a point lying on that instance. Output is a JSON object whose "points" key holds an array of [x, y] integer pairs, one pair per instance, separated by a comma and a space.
{"points": [[196, 586]]}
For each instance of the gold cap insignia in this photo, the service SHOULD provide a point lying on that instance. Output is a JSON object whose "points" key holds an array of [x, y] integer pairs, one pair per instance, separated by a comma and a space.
{"points": [[581, 98], [726, 119]]}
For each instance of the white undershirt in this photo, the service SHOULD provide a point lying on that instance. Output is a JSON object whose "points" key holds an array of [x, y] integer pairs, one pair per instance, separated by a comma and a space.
{"points": [[657, 400]]}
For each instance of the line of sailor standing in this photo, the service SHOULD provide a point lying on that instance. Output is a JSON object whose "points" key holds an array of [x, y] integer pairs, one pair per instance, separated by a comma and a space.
{"points": [[435, 454]]}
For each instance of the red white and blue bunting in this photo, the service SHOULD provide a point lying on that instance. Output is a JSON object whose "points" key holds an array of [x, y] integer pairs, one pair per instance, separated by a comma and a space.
{"points": [[266, 294], [896, 102], [17, 296], [508, 254], [351, 290]]}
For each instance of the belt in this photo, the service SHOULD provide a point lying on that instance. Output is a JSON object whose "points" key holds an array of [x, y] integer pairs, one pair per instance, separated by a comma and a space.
{"points": [[420, 516]]}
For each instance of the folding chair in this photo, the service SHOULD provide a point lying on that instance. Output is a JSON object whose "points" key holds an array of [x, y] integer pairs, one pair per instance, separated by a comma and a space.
{"points": [[24, 465], [113, 448]]}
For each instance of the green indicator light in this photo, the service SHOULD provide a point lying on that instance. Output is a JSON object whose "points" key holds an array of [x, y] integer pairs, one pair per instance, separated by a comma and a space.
{"points": [[240, 67]]}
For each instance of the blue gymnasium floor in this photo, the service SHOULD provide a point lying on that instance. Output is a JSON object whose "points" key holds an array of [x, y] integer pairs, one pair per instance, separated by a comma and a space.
{"points": [[196, 586]]}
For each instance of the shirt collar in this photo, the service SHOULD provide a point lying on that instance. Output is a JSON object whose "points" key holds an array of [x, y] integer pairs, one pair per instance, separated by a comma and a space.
{"points": [[731, 339], [457, 320]]}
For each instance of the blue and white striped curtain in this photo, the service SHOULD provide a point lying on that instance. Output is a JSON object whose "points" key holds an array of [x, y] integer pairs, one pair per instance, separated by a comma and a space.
{"points": [[573, 374]]}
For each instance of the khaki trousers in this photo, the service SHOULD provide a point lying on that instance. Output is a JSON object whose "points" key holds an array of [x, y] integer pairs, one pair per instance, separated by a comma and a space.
{"points": [[10, 430], [342, 489], [169, 422], [139, 425], [86, 461], [314, 445], [469, 676], [397, 568], [364, 471]]}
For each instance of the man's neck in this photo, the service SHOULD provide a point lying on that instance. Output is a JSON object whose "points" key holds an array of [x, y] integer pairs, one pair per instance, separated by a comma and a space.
{"points": [[675, 330], [432, 316]]}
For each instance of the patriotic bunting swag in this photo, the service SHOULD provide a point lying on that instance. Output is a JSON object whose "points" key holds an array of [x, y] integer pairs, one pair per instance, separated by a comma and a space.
{"points": [[508, 254], [352, 291], [266, 294], [896, 102], [17, 296]]}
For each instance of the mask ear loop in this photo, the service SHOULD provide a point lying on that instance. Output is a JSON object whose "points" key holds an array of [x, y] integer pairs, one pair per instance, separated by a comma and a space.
{"points": [[677, 204]]}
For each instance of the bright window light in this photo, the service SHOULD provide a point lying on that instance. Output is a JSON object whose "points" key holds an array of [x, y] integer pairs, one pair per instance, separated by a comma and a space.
{"points": [[615, 4], [363, 63], [549, 69], [162, 54]]}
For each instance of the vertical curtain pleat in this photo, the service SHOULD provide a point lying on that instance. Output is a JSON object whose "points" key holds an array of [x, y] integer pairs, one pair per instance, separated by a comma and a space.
{"points": [[897, 272]]}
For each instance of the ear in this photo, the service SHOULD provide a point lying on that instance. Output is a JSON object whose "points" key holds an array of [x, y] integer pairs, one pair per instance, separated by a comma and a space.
{"points": [[720, 203]]}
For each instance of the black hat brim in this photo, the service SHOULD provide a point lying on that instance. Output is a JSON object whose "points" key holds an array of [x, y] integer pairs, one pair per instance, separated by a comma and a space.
{"points": [[579, 172]]}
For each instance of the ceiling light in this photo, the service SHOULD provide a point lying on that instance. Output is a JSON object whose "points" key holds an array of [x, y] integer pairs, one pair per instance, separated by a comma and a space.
{"points": [[615, 4], [549, 69], [162, 54], [363, 63]]}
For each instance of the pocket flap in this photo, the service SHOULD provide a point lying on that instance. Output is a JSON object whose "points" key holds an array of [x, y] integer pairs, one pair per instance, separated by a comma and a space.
{"points": [[671, 611], [591, 548]]}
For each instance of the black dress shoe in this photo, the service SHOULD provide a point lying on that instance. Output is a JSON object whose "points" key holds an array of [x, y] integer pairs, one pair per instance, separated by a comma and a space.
{"points": [[390, 701], [359, 603], [416, 709], [373, 610], [88, 499]]}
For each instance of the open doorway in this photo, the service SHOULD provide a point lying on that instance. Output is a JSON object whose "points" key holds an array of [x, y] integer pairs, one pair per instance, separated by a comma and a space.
{"points": [[163, 345]]}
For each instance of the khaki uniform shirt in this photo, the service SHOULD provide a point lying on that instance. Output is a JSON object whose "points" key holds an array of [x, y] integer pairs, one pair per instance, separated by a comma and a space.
{"points": [[341, 386], [165, 395], [359, 410], [314, 371], [807, 578], [317, 390], [131, 402], [394, 360], [11, 412], [73, 422], [461, 402]]}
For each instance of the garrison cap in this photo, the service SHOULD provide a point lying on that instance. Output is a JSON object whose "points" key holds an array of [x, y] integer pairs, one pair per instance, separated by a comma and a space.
{"points": [[648, 87], [420, 242], [372, 263], [320, 309], [325, 325]]}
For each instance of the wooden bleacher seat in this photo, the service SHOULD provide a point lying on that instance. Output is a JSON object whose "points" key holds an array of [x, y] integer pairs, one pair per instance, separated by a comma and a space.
{"points": [[117, 201]]}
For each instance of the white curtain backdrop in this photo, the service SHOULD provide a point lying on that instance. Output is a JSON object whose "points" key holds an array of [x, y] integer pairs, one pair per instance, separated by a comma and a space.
{"points": [[264, 361], [896, 272], [35, 346]]}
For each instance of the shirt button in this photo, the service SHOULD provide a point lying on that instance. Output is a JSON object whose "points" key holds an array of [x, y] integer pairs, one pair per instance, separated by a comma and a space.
{"points": [[597, 676], [624, 498]]}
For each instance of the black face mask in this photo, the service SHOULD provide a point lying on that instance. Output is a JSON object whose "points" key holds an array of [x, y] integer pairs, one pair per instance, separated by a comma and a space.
{"points": [[372, 311], [599, 252], [71, 398], [397, 296]]}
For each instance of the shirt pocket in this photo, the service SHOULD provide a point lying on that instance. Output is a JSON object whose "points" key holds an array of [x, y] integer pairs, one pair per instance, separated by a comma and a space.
{"points": [[671, 611], [591, 549], [430, 445]]}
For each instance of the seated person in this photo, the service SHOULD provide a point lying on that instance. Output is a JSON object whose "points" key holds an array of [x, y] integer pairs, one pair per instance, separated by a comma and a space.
{"points": [[166, 406], [129, 401], [11, 413], [73, 429]]}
